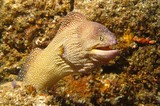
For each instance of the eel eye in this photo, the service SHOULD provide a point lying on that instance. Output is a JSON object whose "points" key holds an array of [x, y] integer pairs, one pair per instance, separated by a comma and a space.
{"points": [[101, 38]]}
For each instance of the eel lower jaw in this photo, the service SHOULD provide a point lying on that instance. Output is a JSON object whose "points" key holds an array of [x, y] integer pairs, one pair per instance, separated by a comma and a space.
{"points": [[103, 54]]}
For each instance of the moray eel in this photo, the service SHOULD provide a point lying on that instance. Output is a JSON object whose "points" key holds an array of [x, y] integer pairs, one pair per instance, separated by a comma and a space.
{"points": [[80, 45]]}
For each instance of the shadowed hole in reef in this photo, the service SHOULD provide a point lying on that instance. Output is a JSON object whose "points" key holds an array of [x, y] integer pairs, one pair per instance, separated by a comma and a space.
{"points": [[111, 69], [118, 67], [72, 5], [121, 63]]}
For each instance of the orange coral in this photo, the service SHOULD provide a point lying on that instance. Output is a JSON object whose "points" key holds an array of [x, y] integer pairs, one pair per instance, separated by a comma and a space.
{"points": [[143, 40]]}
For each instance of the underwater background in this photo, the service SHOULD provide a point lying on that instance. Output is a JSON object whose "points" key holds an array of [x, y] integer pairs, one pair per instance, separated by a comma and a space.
{"points": [[131, 79]]}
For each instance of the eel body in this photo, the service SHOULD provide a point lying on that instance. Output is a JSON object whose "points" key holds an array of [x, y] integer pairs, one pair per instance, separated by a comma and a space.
{"points": [[80, 45]]}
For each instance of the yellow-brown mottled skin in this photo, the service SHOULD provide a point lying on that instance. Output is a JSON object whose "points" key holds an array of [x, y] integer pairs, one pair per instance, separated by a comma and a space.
{"points": [[79, 45]]}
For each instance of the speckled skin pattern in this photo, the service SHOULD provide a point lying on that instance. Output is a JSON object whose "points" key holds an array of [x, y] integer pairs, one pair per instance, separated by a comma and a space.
{"points": [[79, 46]]}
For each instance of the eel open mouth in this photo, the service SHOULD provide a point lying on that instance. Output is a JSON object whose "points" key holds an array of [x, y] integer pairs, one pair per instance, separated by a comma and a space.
{"points": [[103, 54], [104, 48]]}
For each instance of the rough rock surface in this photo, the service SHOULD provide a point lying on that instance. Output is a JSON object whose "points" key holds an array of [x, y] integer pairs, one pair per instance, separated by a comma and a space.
{"points": [[131, 79]]}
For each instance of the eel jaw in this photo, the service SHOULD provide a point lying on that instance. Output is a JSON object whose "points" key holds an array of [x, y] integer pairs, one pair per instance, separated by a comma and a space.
{"points": [[103, 54]]}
